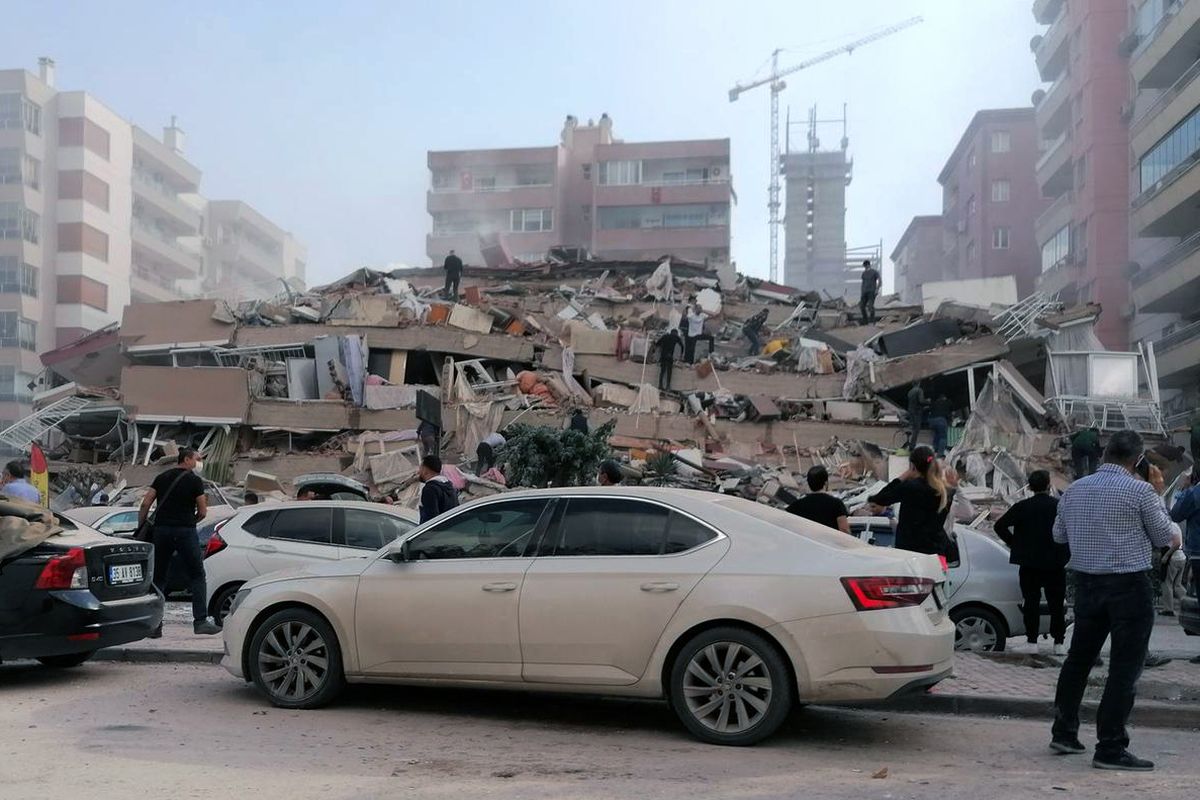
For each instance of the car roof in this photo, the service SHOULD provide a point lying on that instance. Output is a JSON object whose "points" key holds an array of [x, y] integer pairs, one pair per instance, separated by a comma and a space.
{"points": [[398, 511], [660, 493]]}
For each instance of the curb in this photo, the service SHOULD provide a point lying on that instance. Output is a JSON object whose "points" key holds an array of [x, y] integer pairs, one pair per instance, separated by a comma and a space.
{"points": [[1184, 716], [165, 655]]}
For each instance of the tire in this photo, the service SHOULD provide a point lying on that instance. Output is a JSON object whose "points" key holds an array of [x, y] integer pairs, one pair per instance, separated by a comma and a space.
{"points": [[295, 659], [67, 661], [709, 687], [218, 607], [978, 630]]}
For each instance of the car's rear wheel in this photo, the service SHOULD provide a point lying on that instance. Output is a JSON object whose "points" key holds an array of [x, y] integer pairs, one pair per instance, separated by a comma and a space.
{"points": [[731, 686], [219, 606], [978, 630], [295, 659], [67, 661]]}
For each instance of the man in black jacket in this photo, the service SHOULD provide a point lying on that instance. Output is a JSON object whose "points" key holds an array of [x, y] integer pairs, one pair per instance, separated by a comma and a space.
{"points": [[668, 345], [438, 495], [1027, 528], [454, 267]]}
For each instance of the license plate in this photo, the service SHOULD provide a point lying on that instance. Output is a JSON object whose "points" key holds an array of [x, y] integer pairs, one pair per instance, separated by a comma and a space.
{"points": [[125, 573]]}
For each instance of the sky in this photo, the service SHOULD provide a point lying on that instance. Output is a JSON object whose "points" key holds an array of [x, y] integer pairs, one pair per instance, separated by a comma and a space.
{"points": [[320, 114]]}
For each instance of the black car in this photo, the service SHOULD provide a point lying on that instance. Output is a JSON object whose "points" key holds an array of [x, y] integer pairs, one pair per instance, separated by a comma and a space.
{"points": [[75, 593], [1189, 608]]}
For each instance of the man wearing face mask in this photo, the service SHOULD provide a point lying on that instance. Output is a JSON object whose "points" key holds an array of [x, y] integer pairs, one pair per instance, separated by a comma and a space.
{"points": [[181, 504]]}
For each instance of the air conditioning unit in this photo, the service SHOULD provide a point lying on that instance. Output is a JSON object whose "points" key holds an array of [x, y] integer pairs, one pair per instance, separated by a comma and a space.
{"points": [[716, 172]]}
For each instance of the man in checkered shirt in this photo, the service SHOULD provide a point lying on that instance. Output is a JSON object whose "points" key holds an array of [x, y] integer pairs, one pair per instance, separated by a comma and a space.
{"points": [[1111, 520]]}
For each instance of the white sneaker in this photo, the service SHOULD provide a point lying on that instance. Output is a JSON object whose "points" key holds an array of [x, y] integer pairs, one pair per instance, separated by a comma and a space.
{"points": [[1060, 649]]}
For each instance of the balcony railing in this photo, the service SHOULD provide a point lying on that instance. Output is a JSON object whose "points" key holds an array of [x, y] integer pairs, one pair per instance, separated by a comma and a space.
{"points": [[1169, 259], [1064, 200], [1177, 338], [483, 189], [1164, 99], [180, 210], [1145, 37], [1051, 150]]}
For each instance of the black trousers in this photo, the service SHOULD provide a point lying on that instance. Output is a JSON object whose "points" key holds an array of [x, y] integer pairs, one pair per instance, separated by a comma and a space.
{"points": [[452, 281], [1121, 606], [1054, 582], [914, 428], [866, 306], [171, 539], [664, 374]]}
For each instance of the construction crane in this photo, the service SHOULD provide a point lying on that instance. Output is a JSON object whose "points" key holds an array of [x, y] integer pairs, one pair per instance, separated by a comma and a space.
{"points": [[775, 79]]}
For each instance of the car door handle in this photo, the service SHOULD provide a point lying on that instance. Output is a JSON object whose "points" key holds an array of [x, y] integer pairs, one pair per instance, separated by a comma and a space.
{"points": [[499, 587], [266, 548], [659, 587]]}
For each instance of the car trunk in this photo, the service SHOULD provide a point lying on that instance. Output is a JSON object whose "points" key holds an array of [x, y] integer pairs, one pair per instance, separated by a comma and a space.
{"points": [[117, 568]]}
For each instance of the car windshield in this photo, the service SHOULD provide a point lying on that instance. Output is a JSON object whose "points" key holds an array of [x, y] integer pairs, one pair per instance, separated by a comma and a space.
{"points": [[794, 524]]}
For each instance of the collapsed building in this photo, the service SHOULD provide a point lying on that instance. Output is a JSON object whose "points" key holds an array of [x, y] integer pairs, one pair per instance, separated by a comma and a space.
{"points": [[337, 379]]}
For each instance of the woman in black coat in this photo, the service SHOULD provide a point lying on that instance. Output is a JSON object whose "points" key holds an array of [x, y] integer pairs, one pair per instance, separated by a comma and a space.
{"points": [[925, 502]]}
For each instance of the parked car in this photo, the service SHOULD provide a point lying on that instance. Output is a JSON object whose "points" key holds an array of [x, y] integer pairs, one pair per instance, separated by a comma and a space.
{"points": [[109, 520], [1189, 607], [264, 538], [733, 611], [73, 594], [982, 588], [330, 486]]}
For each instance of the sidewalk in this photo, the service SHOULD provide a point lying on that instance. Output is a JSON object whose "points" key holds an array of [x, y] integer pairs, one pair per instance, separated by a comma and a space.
{"points": [[1000, 684]]}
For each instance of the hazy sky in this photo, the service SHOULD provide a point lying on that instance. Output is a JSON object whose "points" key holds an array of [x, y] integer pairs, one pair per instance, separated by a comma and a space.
{"points": [[319, 114]]}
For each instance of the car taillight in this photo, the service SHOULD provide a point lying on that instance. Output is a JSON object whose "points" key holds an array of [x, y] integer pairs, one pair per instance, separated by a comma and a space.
{"points": [[945, 565], [215, 545], [65, 572], [869, 594]]}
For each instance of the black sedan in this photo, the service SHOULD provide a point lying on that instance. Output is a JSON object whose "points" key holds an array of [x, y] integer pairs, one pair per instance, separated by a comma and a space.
{"points": [[74, 594]]}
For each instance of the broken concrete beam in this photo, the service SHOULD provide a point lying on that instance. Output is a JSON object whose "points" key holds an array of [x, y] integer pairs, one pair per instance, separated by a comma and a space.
{"points": [[262, 482], [849, 410], [898, 372], [470, 319], [614, 394]]}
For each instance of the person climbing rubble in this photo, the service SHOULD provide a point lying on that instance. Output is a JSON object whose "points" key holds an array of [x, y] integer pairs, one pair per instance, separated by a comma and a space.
{"points": [[752, 328], [667, 344], [454, 269], [695, 332], [871, 283]]}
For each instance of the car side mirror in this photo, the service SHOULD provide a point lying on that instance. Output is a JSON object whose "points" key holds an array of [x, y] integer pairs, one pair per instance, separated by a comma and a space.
{"points": [[400, 553]]}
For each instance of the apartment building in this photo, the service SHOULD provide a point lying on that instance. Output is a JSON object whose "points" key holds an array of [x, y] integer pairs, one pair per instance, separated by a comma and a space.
{"points": [[95, 213], [919, 257], [815, 222], [991, 199], [1082, 121], [1165, 191], [247, 255], [620, 200]]}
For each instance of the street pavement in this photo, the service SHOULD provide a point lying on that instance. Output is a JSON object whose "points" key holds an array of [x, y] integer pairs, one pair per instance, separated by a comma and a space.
{"points": [[118, 730]]}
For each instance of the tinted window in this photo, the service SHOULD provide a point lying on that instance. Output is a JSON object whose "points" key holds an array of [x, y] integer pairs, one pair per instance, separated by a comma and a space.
{"points": [[124, 522], [371, 529], [259, 524], [302, 525], [494, 530], [684, 533], [611, 527]]}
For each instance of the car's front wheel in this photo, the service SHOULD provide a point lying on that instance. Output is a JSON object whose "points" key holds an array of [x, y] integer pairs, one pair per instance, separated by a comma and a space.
{"points": [[222, 601], [295, 659], [731, 686], [67, 661], [978, 630]]}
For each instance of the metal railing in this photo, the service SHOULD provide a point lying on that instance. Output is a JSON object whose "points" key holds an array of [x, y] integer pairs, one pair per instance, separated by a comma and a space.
{"points": [[1164, 99], [1169, 12], [1174, 339], [1169, 259], [484, 189], [1051, 150]]}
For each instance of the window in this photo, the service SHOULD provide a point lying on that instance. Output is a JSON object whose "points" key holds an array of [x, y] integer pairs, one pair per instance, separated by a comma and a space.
{"points": [[970, 252], [620, 173], [684, 533], [971, 206], [18, 222], [491, 531], [17, 277], [1170, 152], [371, 529], [535, 176], [531, 220], [1000, 238], [686, 176], [122, 522], [17, 111], [1001, 141], [1000, 191], [971, 161], [14, 385], [31, 169], [302, 525], [485, 183], [16, 331], [259, 524], [611, 527], [10, 165], [683, 216], [1056, 249]]}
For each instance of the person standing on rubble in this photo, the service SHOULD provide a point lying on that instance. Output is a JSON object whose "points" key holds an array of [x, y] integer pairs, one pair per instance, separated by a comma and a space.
{"points": [[1085, 451], [667, 345], [180, 503], [924, 503], [438, 494], [1028, 530], [486, 452], [871, 283], [751, 329], [695, 332], [916, 407], [939, 422], [578, 422], [819, 505], [454, 268], [430, 438]]}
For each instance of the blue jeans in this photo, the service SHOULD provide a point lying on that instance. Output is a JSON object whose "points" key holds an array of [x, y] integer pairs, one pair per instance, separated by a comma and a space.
{"points": [[1121, 606], [755, 344], [939, 427], [182, 539]]}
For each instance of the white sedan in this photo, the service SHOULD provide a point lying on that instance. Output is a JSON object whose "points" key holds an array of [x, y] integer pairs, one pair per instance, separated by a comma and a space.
{"points": [[733, 611], [264, 538]]}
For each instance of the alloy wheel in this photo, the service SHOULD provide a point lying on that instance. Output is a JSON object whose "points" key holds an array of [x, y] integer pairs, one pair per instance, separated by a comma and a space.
{"points": [[975, 634], [293, 660], [727, 687]]}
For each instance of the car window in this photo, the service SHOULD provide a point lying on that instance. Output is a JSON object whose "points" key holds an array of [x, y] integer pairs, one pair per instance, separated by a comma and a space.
{"points": [[372, 529], [259, 524], [611, 526], [124, 521], [302, 525], [684, 533], [491, 531]]}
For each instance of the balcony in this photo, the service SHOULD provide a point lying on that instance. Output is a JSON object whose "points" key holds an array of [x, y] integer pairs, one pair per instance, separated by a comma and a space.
{"points": [[710, 191], [497, 198], [166, 205], [1062, 279], [163, 252], [1169, 48], [1051, 221], [1046, 11], [146, 287], [1178, 357], [1050, 49], [1054, 170], [1168, 208], [1053, 113], [1171, 284], [242, 252], [1168, 110], [660, 240]]}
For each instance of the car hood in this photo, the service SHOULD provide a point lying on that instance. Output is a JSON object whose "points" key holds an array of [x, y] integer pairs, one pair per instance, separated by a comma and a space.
{"points": [[344, 568]]}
